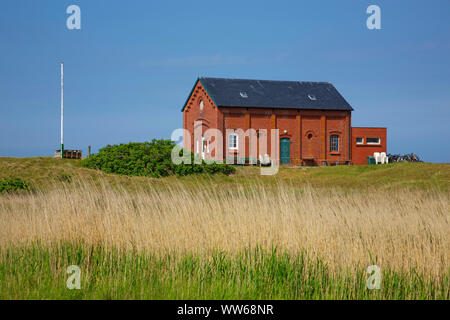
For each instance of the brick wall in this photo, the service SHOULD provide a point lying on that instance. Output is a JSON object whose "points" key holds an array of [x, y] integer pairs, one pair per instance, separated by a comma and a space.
{"points": [[209, 117], [360, 152]]}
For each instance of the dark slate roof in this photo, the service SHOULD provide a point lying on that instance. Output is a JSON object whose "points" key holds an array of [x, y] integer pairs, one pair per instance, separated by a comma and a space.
{"points": [[274, 94]]}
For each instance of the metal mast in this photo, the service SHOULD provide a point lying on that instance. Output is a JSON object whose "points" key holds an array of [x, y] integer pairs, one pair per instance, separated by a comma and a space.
{"points": [[62, 110]]}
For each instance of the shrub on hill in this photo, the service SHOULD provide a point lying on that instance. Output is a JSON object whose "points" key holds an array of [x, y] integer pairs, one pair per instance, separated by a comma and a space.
{"points": [[150, 159], [13, 185]]}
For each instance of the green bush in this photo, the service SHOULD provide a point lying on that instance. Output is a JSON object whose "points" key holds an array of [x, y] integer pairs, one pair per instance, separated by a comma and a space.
{"points": [[149, 159], [13, 185]]}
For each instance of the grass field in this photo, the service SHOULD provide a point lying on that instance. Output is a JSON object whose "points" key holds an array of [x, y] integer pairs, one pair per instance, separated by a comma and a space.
{"points": [[302, 234]]}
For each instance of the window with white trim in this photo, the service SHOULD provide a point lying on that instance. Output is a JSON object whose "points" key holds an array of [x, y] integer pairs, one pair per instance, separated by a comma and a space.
{"points": [[359, 140], [233, 141], [334, 142], [373, 140]]}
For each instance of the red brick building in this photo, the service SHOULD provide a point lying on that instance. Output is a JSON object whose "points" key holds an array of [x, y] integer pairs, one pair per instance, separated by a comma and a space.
{"points": [[313, 119]]}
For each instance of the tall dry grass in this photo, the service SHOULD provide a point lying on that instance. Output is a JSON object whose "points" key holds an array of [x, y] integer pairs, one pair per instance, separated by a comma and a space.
{"points": [[400, 229]]}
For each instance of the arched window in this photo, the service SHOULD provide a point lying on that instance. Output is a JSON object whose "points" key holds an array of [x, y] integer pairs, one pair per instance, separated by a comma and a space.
{"points": [[201, 105], [334, 142]]}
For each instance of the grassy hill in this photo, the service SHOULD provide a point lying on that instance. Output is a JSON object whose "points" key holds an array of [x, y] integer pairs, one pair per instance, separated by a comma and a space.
{"points": [[43, 171]]}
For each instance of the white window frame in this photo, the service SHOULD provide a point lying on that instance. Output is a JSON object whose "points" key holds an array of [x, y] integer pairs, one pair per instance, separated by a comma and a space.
{"points": [[202, 147], [379, 140], [230, 147], [362, 140], [337, 143]]}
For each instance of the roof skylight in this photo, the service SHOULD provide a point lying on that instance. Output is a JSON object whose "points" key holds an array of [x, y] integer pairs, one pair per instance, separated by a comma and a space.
{"points": [[243, 94], [312, 97]]}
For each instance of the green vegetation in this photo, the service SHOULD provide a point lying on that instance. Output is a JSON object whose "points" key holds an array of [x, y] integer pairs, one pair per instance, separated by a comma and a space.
{"points": [[65, 177], [43, 172], [184, 237], [149, 159], [39, 272], [13, 185]]}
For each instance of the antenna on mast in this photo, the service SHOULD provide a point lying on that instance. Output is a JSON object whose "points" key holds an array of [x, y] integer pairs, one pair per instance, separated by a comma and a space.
{"points": [[62, 110]]}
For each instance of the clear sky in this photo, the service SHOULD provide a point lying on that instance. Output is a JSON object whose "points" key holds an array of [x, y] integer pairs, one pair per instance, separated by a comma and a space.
{"points": [[129, 69]]}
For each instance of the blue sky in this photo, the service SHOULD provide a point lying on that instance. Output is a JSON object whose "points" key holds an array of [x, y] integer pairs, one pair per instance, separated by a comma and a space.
{"points": [[130, 68]]}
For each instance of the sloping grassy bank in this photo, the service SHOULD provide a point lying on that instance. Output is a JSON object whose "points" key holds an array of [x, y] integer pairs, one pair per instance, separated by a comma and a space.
{"points": [[42, 172]]}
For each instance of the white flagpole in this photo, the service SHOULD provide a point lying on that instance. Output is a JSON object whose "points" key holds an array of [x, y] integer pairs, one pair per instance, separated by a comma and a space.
{"points": [[62, 110]]}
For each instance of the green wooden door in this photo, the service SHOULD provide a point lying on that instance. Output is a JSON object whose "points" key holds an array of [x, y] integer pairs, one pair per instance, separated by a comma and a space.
{"points": [[285, 150]]}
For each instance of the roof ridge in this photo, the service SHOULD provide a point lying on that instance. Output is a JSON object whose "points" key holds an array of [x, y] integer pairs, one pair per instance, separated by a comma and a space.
{"points": [[294, 81]]}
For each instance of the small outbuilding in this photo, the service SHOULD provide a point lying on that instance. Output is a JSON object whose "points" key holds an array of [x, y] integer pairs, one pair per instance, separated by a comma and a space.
{"points": [[69, 154]]}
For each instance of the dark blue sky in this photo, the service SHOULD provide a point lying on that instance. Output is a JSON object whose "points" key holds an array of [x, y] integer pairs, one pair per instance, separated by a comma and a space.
{"points": [[130, 68]]}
